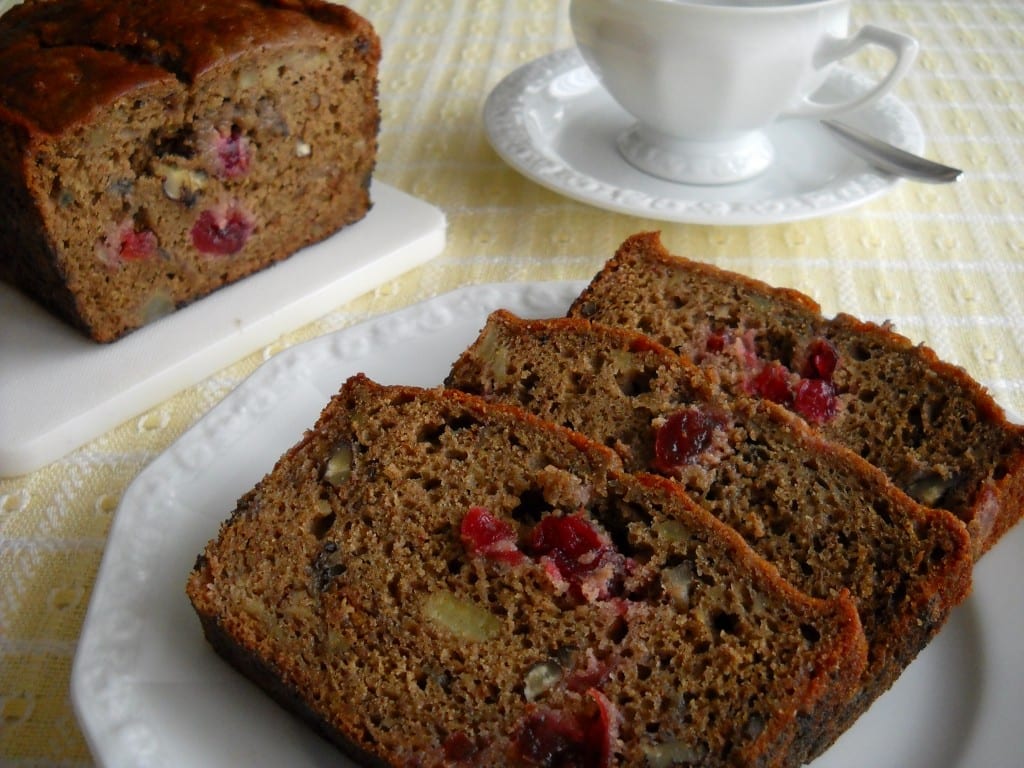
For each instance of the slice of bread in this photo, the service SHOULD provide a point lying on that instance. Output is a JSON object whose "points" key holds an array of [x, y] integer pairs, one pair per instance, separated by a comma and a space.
{"points": [[435, 580], [931, 428], [825, 517]]}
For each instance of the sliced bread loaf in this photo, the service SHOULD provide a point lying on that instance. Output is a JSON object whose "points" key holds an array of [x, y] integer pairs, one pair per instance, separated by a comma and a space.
{"points": [[434, 580], [826, 518], [152, 153], [931, 428]]}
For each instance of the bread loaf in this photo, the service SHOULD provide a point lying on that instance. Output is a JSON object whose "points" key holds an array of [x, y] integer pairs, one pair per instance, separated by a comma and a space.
{"points": [[153, 152]]}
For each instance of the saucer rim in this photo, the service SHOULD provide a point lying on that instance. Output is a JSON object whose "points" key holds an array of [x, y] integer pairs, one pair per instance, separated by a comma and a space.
{"points": [[509, 133]]}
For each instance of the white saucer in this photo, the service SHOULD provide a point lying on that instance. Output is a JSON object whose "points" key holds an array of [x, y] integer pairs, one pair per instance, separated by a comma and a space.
{"points": [[552, 121]]}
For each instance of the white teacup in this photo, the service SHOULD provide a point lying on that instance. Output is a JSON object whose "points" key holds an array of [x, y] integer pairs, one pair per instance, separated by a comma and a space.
{"points": [[704, 78]]}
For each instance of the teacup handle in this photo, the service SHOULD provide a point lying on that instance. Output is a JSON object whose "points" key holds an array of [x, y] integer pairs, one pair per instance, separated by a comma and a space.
{"points": [[902, 46]]}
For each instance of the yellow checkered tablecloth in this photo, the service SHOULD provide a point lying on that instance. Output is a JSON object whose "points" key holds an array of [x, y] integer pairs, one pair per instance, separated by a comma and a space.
{"points": [[946, 264]]}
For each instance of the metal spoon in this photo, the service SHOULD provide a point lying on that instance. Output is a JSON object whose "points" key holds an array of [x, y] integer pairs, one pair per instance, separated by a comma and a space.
{"points": [[892, 159]]}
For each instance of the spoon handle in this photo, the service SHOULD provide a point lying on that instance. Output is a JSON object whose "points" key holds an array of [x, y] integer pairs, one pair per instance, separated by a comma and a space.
{"points": [[892, 159]]}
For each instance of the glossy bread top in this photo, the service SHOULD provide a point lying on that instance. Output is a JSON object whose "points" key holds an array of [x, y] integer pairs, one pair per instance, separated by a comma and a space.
{"points": [[64, 59]]}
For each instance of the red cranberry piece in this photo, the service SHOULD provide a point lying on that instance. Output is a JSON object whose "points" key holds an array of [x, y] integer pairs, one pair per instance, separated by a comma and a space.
{"points": [[603, 729], [459, 747], [573, 550], [569, 739], [718, 340], [816, 401], [222, 232], [123, 242], [682, 438], [570, 541], [822, 359], [749, 354], [551, 738], [231, 154], [593, 675], [137, 246], [484, 534], [772, 383]]}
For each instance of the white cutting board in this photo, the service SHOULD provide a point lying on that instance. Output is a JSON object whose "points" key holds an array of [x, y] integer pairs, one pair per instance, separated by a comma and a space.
{"points": [[59, 390]]}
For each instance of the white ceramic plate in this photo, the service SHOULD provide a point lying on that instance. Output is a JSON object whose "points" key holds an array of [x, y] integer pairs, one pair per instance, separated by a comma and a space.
{"points": [[552, 121], [59, 389], [150, 692]]}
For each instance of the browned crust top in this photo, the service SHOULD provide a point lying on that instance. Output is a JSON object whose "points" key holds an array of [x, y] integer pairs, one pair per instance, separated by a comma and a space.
{"points": [[63, 59]]}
